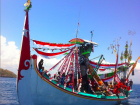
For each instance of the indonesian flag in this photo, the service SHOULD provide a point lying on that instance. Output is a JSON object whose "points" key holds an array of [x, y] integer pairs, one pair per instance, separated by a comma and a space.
{"points": [[49, 55], [52, 45]]}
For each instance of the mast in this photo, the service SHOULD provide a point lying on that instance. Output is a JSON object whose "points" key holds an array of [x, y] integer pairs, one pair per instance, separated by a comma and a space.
{"points": [[116, 62], [24, 69]]}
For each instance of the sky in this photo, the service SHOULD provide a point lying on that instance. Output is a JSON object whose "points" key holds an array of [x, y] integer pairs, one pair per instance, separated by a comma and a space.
{"points": [[56, 22]]}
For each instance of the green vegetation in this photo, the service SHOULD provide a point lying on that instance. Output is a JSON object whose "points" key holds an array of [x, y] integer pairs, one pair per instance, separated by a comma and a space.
{"points": [[7, 73]]}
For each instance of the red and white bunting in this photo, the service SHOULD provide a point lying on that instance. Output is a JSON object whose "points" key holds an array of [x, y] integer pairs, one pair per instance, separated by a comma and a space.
{"points": [[52, 45], [49, 55], [93, 64]]}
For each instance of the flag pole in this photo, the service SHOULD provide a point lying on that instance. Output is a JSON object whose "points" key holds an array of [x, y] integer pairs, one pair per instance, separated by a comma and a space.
{"points": [[116, 62]]}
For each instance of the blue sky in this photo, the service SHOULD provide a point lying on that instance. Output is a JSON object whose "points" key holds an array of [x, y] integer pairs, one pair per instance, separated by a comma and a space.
{"points": [[56, 21]]}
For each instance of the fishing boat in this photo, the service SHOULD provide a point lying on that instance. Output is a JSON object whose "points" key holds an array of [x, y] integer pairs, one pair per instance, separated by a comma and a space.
{"points": [[37, 88]]}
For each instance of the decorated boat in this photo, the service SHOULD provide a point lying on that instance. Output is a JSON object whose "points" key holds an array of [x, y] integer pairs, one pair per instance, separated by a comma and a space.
{"points": [[78, 81]]}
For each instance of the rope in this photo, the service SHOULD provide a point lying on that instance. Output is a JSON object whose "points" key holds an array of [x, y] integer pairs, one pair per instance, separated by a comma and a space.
{"points": [[68, 61], [65, 60], [95, 57], [64, 65], [57, 71], [77, 67], [73, 73], [62, 69], [78, 70], [61, 64], [68, 70], [57, 63]]}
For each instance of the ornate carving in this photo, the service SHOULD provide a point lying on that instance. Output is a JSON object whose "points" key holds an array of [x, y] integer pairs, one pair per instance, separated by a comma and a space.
{"points": [[27, 63]]}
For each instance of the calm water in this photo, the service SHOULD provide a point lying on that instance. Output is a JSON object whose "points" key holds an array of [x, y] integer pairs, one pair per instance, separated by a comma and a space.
{"points": [[8, 95]]}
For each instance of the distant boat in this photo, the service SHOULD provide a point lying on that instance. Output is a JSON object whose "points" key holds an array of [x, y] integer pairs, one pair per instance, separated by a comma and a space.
{"points": [[33, 89]]}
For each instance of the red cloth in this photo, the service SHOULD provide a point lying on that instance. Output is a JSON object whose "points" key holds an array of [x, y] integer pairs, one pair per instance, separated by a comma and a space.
{"points": [[116, 90], [128, 88], [92, 82]]}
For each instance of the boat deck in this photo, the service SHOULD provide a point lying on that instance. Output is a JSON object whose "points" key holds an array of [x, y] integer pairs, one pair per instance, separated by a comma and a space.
{"points": [[87, 94]]}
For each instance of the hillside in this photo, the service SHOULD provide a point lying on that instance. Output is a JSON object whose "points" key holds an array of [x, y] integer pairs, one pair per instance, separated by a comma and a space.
{"points": [[7, 73]]}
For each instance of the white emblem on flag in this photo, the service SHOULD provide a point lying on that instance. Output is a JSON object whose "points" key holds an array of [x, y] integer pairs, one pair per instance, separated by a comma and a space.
{"points": [[25, 32]]}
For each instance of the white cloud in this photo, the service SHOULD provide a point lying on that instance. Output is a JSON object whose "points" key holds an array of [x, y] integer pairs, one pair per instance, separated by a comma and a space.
{"points": [[137, 66], [9, 55], [136, 77]]}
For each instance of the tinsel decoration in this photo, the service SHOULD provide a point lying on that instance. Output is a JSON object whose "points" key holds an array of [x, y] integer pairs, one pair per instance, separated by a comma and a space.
{"points": [[126, 52], [121, 58], [126, 46], [130, 58], [130, 55]]}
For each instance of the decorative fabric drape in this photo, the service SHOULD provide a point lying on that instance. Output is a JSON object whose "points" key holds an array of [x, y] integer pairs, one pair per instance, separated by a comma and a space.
{"points": [[103, 66], [52, 45], [49, 55]]}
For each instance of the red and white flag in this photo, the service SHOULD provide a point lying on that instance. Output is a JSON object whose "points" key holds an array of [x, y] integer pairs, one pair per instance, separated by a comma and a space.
{"points": [[49, 55]]}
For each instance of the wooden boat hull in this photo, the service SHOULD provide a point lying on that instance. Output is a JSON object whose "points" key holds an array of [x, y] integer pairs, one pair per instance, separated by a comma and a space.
{"points": [[42, 91]]}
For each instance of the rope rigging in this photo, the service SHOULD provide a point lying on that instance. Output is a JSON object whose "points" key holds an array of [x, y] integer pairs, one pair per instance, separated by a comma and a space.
{"points": [[95, 57]]}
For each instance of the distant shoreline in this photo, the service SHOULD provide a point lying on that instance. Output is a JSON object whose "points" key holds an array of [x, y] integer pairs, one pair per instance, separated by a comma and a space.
{"points": [[7, 73]]}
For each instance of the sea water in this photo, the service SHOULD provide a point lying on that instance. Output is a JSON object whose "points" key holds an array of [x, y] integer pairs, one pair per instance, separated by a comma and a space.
{"points": [[8, 93]]}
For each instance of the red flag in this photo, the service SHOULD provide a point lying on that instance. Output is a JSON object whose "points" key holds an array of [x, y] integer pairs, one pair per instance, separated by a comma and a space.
{"points": [[25, 49]]}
